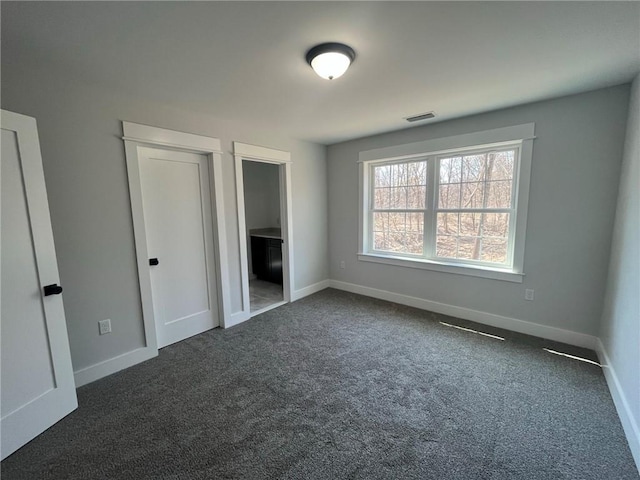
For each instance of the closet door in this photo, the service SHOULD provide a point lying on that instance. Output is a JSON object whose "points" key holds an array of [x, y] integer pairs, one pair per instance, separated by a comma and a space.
{"points": [[37, 387], [176, 201]]}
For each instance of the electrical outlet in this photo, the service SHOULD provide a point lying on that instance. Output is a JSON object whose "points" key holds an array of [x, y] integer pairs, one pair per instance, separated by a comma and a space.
{"points": [[342, 264], [104, 326], [528, 294]]}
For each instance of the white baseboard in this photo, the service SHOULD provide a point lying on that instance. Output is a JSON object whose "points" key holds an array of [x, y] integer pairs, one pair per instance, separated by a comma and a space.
{"points": [[244, 315], [107, 367], [629, 422], [515, 325], [310, 290]]}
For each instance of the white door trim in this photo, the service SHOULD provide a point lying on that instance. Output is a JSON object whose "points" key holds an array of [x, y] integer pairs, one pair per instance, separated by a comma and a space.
{"points": [[243, 151], [135, 136]]}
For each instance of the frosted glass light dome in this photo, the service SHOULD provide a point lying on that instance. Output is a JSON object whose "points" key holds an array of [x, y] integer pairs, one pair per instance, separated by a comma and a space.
{"points": [[330, 60], [330, 65]]}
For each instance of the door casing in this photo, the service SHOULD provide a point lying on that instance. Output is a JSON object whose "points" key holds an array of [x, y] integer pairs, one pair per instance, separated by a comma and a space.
{"points": [[254, 153], [138, 136]]}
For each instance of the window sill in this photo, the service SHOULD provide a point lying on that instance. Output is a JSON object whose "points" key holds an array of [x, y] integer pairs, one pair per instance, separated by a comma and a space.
{"points": [[473, 271]]}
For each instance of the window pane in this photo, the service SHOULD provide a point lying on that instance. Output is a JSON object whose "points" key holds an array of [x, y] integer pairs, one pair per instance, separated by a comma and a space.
{"points": [[486, 181], [380, 222], [499, 194], [415, 223], [381, 198], [468, 247], [448, 223], [472, 195], [503, 165], [398, 232], [446, 246], [399, 174], [417, 173], [380, 241], [450, 170], [416, 196], [449, 196], [481, 236], [495, 225], [403, 173], [382, 176], [414, 243], [400, 186], [397, 222], [400, 198], [473, 167], [470, 224], [396, 242], [494, 250], [390, 186], [390, 198]]}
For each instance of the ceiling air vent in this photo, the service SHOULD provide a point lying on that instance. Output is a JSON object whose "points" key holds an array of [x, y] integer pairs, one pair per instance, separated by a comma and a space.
{"points": [[420, 116]]}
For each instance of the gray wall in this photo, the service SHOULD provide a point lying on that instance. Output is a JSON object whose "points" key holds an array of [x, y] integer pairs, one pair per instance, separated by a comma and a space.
{"points": [[574, 180], [620, 333], [84, 164], [261, 197], [261, 194]]}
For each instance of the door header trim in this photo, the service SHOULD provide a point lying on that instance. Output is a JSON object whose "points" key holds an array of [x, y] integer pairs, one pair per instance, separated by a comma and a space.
{"points": [[146, 134], [255, 152]]}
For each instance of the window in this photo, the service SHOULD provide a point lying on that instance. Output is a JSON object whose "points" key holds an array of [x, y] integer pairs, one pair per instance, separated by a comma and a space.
{"points": [[460, 210], [474, 206], [399, 207]]}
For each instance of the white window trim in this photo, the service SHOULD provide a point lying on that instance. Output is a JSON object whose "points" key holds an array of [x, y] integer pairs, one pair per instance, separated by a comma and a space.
{"points": [[522, 134]]}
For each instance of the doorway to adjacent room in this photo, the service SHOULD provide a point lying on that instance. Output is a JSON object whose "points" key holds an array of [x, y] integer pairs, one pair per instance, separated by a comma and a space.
{"points": [[262, 178]]}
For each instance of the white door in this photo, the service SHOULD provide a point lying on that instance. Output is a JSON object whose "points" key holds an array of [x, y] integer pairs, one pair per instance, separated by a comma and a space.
{"points": [[176, 201], [37, 385]]}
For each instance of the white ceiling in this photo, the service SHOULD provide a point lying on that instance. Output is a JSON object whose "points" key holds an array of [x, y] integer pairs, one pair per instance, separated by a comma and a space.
{"points": [[244, 61]]}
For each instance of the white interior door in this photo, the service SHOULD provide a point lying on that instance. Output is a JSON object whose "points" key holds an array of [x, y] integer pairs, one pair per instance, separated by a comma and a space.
{"points": [[176, 200], [37, 387]]}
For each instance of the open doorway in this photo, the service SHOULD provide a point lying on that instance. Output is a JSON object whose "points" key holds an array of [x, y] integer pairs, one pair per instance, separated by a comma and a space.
{"points": [[263, 179], [261, 182]]}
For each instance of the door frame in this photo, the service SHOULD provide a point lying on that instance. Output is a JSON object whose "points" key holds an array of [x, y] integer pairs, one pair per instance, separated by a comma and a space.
{"points": [[136, 136], [254, 153]]}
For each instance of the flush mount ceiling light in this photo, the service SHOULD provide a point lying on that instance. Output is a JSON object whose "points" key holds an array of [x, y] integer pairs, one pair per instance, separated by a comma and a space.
{"points": [[330, 60]]}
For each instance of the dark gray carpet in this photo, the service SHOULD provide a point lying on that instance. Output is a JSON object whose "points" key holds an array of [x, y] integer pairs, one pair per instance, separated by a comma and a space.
{"points": [[341, 386]]}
